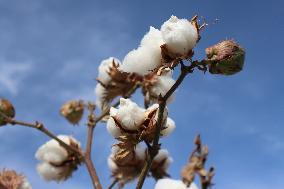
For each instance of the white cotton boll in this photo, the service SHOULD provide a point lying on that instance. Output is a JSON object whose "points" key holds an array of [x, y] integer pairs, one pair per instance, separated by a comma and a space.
{"points": [[167, 163], [170, 127], [141, 60], [156, 106], [162, 154], [162, 85], [103, 69], [112, 128], [179, 35], [130, 114], [140, 152], [25, 185], [153, 39], [111, 164], [49, 172], [100, 92], [167, 183]]}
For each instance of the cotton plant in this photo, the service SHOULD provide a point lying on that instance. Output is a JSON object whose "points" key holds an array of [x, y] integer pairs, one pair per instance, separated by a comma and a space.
{"points": [[136, 128]]}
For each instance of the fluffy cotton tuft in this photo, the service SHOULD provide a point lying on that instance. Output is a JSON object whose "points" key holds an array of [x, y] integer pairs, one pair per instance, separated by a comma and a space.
{"points": [[129, 114], [163, 84], [25, 185], [111, 164], [100, 92], [140, 152], [146, 57], [53, 157], [173, 184], [170, 127], [162, 155], [111, 126], [103, 69], [179, 35]]}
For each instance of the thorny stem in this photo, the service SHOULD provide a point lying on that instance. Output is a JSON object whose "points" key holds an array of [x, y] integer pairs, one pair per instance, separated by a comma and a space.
{"points": [[153, 150]]}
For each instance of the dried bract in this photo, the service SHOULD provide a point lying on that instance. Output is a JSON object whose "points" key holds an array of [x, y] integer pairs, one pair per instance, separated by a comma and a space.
{"points": [[7, 109], [73, 111], [10, 179]]}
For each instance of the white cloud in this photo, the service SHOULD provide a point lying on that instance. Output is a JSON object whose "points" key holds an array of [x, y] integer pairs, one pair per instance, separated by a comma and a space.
{"points": [[12, 74]]}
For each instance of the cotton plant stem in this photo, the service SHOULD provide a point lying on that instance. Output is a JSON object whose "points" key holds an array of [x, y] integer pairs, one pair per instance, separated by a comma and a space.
{"points": [[114, 182], [153, 150], [39, 126]]}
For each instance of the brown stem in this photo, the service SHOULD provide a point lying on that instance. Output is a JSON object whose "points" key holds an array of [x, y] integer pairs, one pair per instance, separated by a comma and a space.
{"points": [[153, 150], [113, 183]]}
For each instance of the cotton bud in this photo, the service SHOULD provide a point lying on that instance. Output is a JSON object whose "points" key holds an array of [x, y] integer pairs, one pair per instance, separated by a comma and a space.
{"points": [[73, 111], [6, 108], [129, 115], [9, 179], [180, 36], [104, 69], [160, 164], [226, 58], [57, 163], [169, 127], [167, 183]]}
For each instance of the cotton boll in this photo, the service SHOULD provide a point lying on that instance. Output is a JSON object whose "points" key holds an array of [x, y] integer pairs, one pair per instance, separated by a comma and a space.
{"points": [[103, 69], [111, 164], [153, 39], [154, 107], [162, 154], [130, 114], [140, 152], [179, 35], [170, 126], [100, 92], [162, 85], [49, 172], [112, 128], [25, 185], [167, 183]]}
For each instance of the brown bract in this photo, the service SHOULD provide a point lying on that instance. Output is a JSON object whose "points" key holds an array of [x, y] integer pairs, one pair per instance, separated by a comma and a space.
{"points": [[73, 111], [9, 179], [6, 108]]}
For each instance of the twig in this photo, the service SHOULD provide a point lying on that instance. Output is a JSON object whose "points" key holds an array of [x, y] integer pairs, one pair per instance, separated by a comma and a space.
{"points": [[39, 126], [113, 183], [153, 150]]}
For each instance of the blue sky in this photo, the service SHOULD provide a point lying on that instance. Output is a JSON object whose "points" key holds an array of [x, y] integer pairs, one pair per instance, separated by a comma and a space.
{"points": [[50, 50]]}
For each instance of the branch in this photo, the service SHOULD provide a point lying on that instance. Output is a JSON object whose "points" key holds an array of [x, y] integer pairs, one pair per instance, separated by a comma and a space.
{"points": [[39, 126], [153, 150], [113, 183]]}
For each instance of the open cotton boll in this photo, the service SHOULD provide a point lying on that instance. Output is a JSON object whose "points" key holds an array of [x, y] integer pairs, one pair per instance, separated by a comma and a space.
{"points": [[156, 106], [111, 164], [141, 60], [162, 154], [103, 69], [100, 92], [153, 39], [170, 127], [25, 185], [112, 128], [167, 183], [49, 172], [52, 151], [179, 35], [140, 152], [162, 85], [129, 114]]}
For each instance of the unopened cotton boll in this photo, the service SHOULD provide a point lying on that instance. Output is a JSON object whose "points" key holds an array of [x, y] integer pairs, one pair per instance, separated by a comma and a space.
{"points": [[104, 67], [169, 128], [167, 183], [129, 114], [180, 35]]}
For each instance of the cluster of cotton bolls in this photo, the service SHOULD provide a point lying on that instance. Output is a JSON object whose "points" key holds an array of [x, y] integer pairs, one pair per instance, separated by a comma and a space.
{"points": [[132, 117], [179, 35], [126, 171], [167, 183], [56, 162]]}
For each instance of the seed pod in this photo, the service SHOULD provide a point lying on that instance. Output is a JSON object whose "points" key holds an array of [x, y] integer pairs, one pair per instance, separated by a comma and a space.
{"points": [[225, 58], [6, 108], [73, 111]]}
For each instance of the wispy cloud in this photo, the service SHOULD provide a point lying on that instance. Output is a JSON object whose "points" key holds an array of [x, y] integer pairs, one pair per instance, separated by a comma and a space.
{"points": [[12, 74]]}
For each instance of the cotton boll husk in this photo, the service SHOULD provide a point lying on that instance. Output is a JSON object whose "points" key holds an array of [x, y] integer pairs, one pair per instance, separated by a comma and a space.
{"points": [[49, 172], [112, 128], [179, 35], [103, 69], [170, 127], [111, 164], [25, 185], [167, 183], [130, 114], [100, 92]]}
